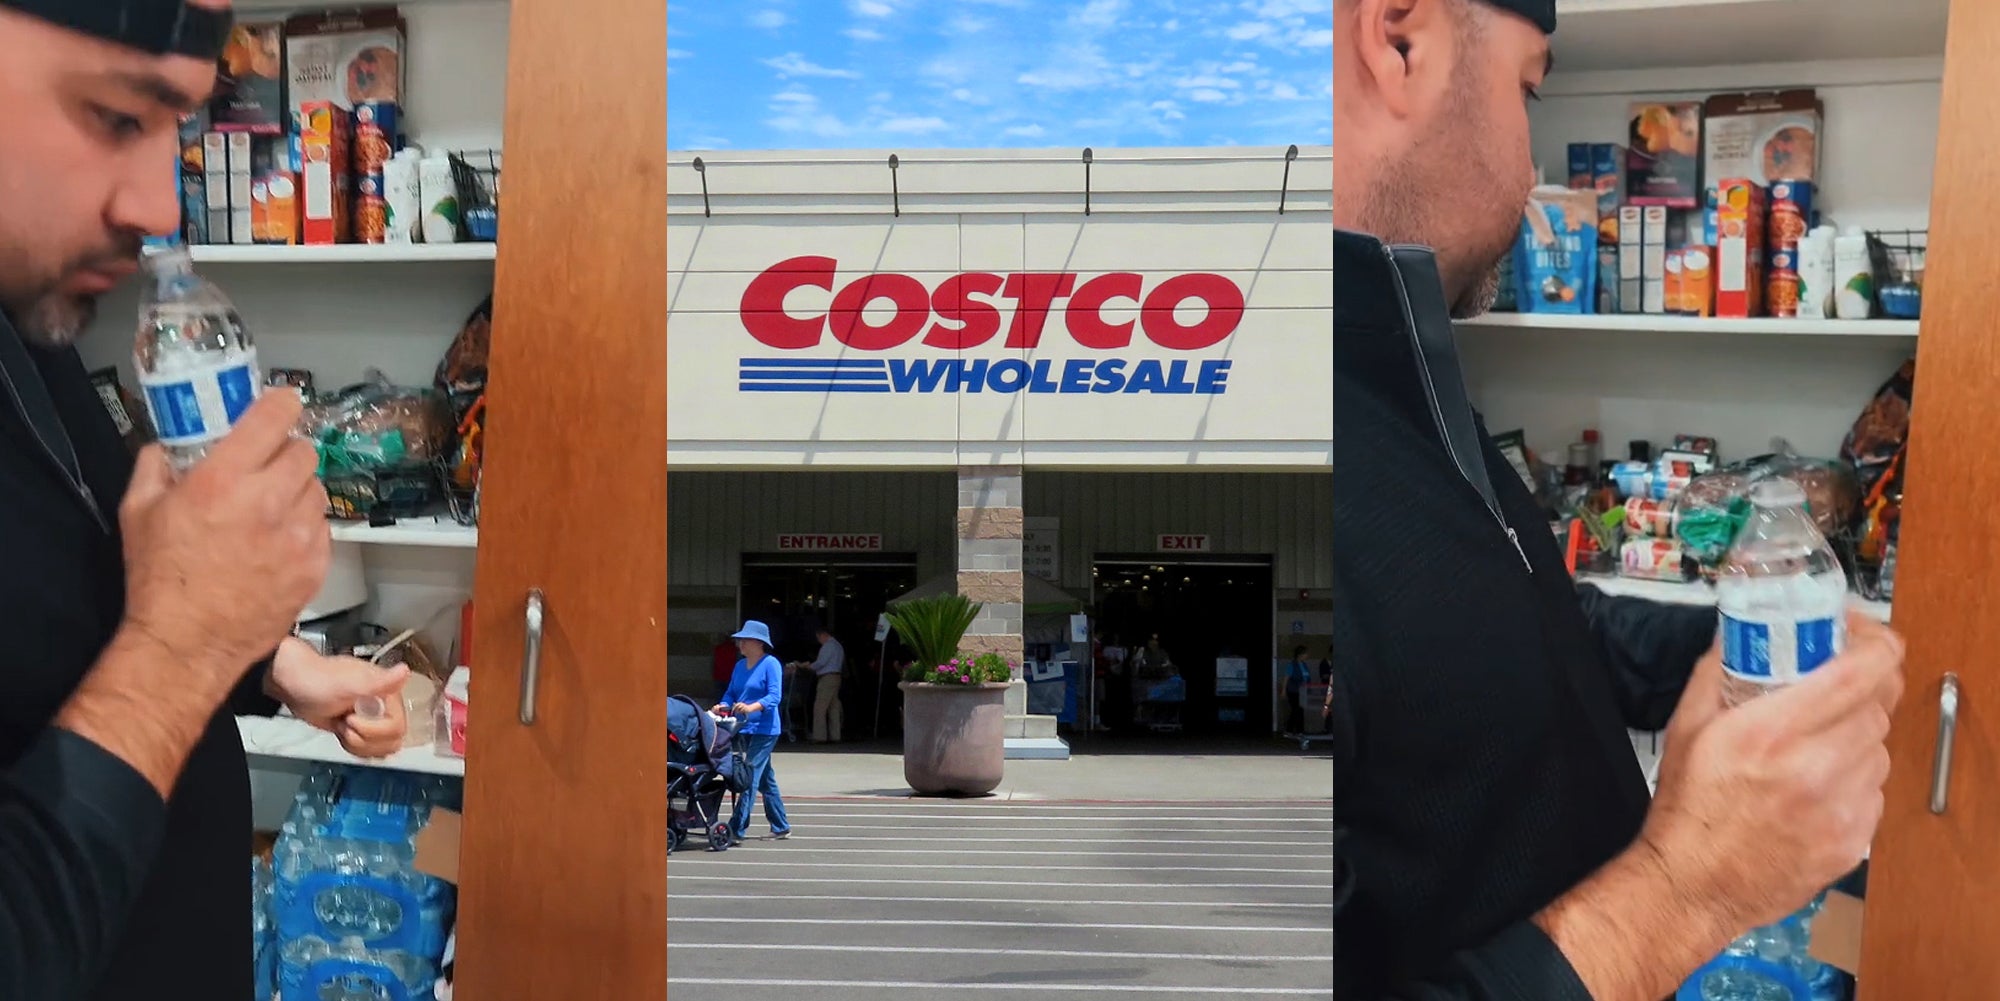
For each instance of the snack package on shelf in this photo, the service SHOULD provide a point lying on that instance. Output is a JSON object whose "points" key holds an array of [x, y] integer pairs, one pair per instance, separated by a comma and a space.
{"points": [[461, 379], [377, 442], [1716, 504], [1875, 448], [1555, 259]]}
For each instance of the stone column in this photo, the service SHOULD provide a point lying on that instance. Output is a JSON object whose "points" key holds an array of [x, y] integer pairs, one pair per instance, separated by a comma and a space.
{"points": [[989, 557]]}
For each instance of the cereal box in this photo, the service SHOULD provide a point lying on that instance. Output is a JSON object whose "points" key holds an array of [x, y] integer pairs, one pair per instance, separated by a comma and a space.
{"points": [[325, 173], [1663, 163], [1607, 174], [344, 58]]}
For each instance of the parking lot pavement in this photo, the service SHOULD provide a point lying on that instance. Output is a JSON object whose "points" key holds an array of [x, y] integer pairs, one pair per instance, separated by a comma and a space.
{"points": [[875, 899]]}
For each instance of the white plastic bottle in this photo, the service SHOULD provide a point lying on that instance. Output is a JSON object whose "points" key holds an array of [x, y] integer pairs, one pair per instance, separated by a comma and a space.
{"points": [[195, 361], [1853, 275], [1782, 595]]}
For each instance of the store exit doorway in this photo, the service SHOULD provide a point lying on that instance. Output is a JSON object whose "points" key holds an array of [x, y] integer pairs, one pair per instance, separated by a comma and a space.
{"points": [[1201, 609], [795, 595]]}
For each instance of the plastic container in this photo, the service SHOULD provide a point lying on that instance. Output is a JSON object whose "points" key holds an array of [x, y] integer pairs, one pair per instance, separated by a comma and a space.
{"points": [[195, 361], [1853, 276]]}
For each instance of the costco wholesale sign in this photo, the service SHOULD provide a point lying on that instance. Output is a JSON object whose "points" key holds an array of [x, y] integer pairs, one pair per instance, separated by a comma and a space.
{"points": [[937, 340]]}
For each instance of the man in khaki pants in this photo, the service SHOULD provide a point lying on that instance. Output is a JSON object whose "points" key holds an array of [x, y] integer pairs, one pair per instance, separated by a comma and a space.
{"points": [[826, 690]]}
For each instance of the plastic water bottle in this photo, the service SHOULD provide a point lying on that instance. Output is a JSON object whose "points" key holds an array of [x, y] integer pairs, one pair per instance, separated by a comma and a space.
{"points": [[194, 359], [1783, 598], [1782, 594]]}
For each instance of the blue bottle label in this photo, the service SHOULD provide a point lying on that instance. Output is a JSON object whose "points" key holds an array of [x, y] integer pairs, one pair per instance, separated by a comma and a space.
{"points": [[195, 408], [1779, 652]]}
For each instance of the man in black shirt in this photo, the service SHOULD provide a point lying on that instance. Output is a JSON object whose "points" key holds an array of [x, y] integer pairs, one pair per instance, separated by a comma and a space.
{"points": [[138, 600], [1493, 835]]}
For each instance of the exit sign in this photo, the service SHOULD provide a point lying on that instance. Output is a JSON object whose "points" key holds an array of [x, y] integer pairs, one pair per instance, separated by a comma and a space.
{"points": [[1183, 543]]}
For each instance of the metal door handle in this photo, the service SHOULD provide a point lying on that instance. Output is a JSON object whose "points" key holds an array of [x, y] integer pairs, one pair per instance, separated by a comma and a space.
{"points": [[531, 658], [1947, 731]]}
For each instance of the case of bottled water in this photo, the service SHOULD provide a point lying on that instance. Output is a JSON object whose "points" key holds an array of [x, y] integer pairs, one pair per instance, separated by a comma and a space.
{"points": [[355, 919]]}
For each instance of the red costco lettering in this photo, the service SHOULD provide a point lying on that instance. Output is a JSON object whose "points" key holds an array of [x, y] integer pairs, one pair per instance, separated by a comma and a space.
{"points": [[962, 311]]}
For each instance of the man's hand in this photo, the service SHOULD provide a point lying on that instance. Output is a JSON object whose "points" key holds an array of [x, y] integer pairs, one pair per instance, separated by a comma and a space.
{"points": [[219, 561], [1759, 808], [1762, 806], [326, 691]]}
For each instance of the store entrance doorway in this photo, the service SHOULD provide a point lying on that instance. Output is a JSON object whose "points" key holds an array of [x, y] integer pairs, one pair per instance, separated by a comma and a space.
{"points": [[1201, 610], [795, 595]]}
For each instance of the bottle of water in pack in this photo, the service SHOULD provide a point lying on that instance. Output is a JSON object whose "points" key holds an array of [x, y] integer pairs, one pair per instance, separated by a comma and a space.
{"points": [[194, 359], [1771, 964], [1782, 594]]}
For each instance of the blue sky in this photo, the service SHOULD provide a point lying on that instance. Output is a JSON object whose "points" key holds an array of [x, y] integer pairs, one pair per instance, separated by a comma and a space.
{"points": [[915, 74]]}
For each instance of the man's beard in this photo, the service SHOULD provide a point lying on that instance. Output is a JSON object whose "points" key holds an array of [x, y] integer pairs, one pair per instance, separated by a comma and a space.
{"points": [[55, 320], [1479, 296]]}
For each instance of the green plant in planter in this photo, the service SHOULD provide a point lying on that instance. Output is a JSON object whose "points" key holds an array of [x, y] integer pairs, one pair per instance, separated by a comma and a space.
{"points": [[967, 669], [932, 628]]}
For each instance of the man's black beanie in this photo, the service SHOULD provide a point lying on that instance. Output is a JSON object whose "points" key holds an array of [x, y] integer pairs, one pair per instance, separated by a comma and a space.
{"points": [[1542, 12]]}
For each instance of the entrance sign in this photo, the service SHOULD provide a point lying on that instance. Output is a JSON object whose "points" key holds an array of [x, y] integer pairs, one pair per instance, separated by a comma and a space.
{"points": [[805, 542], [1040, 556], [1183, 543], [1232, 676]]}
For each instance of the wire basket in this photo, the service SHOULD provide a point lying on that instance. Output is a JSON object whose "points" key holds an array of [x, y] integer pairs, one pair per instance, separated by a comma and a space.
{"points": [[476, 175], [1897, 258]]}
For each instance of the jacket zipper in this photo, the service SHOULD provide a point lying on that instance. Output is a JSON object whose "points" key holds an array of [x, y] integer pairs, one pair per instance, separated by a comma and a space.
{"points": [[1437, 418]]}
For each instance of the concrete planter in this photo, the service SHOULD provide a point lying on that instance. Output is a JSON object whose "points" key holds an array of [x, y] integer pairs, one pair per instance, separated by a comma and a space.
{"points": [[954, 738]]}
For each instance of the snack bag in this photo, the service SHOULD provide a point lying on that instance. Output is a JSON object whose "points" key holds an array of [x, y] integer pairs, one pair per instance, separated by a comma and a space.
{"points": [[1555, 259]]}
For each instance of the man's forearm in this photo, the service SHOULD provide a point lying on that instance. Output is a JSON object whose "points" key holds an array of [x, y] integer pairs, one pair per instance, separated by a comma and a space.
{"points": [[144, 706], [1631, 931]]}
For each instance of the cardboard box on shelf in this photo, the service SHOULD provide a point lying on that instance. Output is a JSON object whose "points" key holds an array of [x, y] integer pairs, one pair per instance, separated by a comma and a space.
{"points": [[1631, 277], [1663, 163], [250, 94], [1653, 259], [1739, 249], [242, 171], [345, 57], [324, 175], [1766, 136]]}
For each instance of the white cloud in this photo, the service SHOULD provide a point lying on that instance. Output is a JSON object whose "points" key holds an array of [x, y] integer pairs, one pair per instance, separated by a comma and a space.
{"points": [[673, 54], [1251, 31], [1207, 95], [1241, 66], [1027, 131], [793, 64], [1098, 14], [910, 125], [1168, 110], [1173, 24], [1285, 92], [1317, 38], [863, 34], [1206, 81], [1287, 8], [964, 24], [768, 19], [961, 94], [871, 8]]}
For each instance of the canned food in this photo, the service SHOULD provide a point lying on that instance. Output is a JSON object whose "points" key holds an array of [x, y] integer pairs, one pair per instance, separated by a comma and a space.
{"points": [[374, 135], [1645, 516], [1655, 559], [1781, 284], [1791, 213], [371, 211]]}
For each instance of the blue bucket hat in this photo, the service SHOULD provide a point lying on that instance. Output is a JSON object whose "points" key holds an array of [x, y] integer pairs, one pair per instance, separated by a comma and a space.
{"points": [[754, 630]]}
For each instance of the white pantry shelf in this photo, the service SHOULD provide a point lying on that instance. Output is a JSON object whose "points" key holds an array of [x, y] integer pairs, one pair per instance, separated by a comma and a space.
{"points": [[296, 740], [435, 533], [1651, 34], [1665, 324], [343, 253], [1700, 593]]}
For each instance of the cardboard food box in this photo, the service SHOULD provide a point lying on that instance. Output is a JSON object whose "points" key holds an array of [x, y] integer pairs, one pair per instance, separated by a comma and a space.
{"points": [[345, 57], [192, 180], [250, 94], [1663, 162], [1767, 137], [1739, 249], [325, 179], [1653, 259], [1607, 175], [1631, 252]]}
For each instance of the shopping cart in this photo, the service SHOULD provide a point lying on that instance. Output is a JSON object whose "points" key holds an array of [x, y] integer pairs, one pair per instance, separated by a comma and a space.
{"points": [[1312, 698], [1158, 705]]}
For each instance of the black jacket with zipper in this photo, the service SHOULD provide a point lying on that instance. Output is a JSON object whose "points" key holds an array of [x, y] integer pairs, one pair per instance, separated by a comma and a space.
{"points": [[106, 892], [1481, 700]]}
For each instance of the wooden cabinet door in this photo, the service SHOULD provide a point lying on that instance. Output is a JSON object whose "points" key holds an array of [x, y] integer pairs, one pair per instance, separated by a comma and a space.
{"points": [[1931, 929], [563, 858]]}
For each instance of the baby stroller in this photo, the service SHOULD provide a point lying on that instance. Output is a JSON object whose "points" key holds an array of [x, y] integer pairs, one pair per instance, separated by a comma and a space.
{"points": [[702, 767]]}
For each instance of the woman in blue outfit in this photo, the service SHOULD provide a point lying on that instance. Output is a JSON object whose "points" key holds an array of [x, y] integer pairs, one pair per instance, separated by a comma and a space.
{"points": [[756, 693]]}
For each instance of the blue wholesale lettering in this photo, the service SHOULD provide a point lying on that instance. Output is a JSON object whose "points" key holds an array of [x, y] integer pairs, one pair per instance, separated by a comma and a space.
{"points": [[1041, 376]]}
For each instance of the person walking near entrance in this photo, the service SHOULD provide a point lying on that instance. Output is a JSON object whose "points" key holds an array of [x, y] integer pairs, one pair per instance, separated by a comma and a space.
{"points": [[756, 695], [1298, 674], [826, 670]]}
